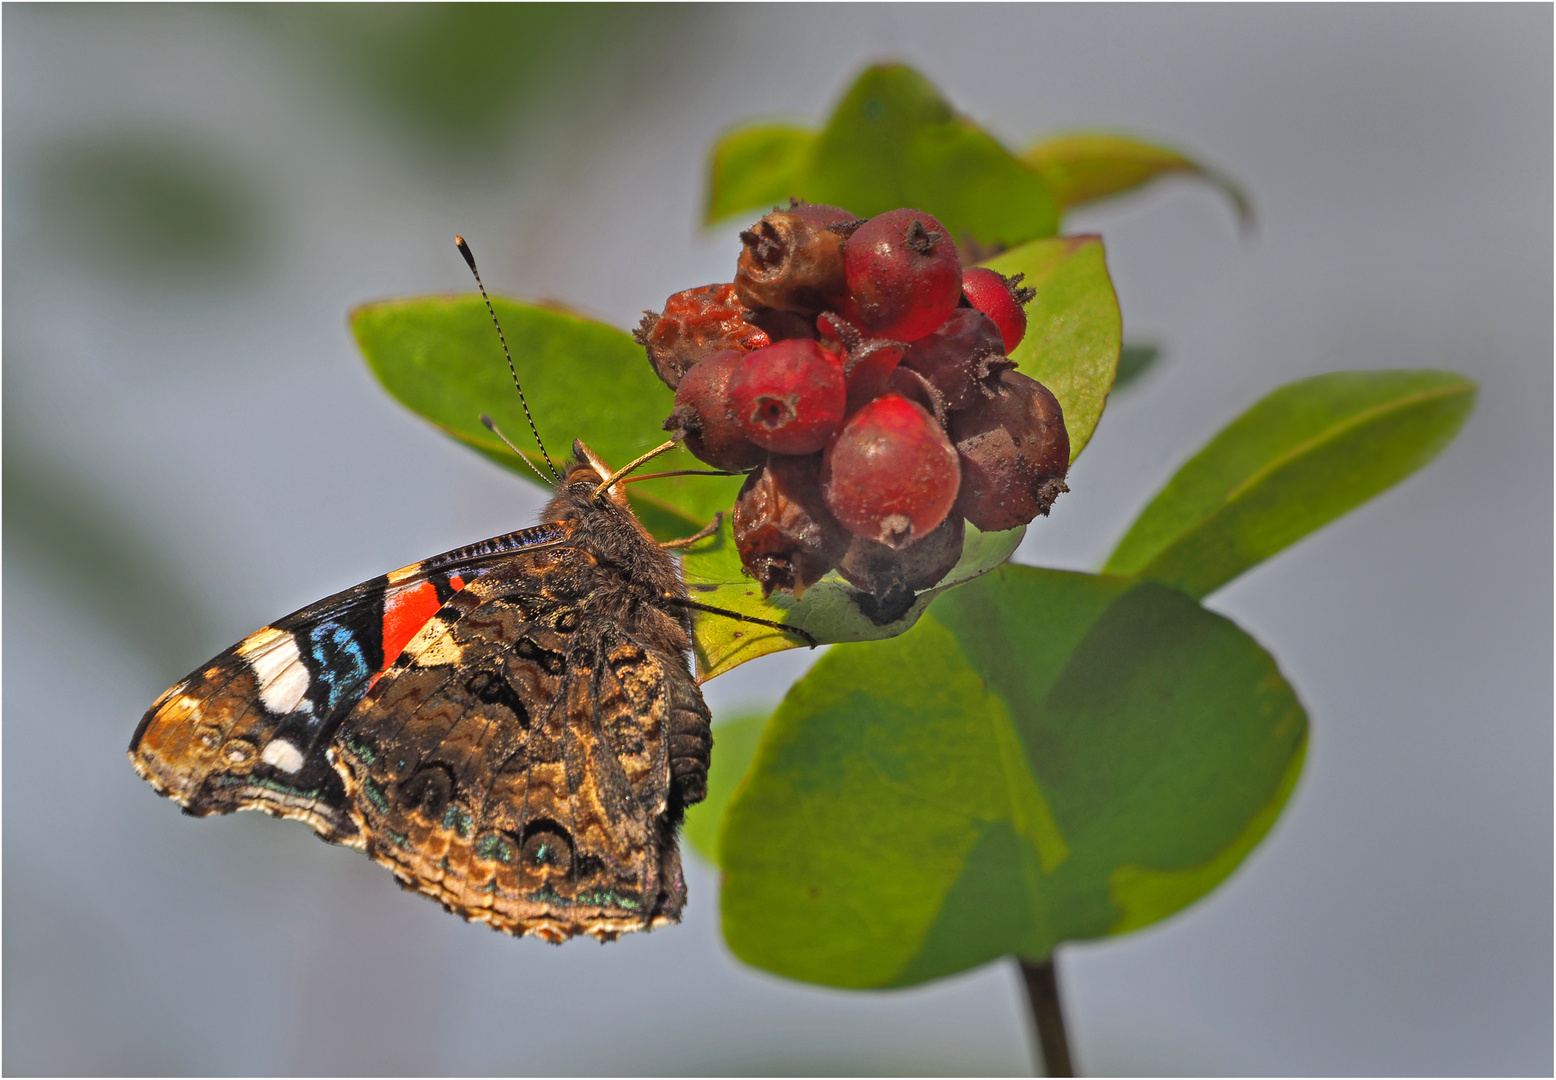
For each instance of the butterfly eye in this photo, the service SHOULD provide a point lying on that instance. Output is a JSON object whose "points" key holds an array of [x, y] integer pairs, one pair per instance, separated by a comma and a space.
{"points": [[547, 845]]}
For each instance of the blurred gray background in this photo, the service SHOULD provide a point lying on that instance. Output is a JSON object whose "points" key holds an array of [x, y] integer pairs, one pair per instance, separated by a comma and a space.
{"points": [[194, 198]]}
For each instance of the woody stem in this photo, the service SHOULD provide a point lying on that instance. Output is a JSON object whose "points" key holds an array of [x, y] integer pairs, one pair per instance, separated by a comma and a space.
{"points": [[1042, 987]]}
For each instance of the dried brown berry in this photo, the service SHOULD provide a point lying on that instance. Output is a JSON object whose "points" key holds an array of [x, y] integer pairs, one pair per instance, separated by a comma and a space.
{"points": [[704, 418], [834, 218], [790, 264], [892, 576], [1014, 452], [695, 324], [786, 537], [962, 359]]}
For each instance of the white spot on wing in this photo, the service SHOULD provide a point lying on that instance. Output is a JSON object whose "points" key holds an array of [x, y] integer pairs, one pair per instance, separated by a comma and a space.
{"points": [[283, 680], [283, 755]]}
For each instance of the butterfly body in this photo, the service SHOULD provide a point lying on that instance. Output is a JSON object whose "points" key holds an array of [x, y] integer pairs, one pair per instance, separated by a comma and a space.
{"points": [[512, 727]]}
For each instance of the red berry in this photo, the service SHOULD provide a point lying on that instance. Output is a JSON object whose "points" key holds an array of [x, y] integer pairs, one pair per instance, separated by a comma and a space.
{"points": [[702, 415], [786, 538], [695, 323], [1014, 452], [891, 474], [790, 264], [867, 362], [788, 397], [960, 358], [1002, 299], [904, 275]]}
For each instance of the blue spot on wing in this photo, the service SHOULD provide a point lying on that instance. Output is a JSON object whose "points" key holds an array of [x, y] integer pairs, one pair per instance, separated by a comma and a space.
{"points": [[340, 664]]}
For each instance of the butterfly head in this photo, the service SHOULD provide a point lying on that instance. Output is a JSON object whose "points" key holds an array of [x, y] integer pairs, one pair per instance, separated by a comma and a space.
{"points": [[586, 467]]}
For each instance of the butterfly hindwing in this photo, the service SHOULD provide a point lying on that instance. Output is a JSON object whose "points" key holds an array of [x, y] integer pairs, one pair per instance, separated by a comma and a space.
{"points": [[515, 764]]}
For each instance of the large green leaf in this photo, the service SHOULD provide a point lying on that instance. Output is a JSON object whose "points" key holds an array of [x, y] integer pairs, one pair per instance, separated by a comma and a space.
{"points": [[830, 611], [756, 166], [893, 141], [1074, 329], [1087, 165], [439, 356], [1297, 460], [1045, 757], [734, 745]]}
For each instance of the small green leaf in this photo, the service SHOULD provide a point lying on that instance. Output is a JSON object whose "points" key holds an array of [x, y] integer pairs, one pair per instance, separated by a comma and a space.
{"points": [[734, 745], [756, 167], [1086, 166], [1074, 330], [829, 611], [1045, 757], [440, 357], [1297, 460], [894, 141]]}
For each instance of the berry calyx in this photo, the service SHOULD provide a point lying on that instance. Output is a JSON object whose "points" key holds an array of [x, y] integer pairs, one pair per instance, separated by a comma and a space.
{"points": [[961, 358], [1002, 299], [694, 324], [788, 398], [702, 416], [786, 538], [903, 273], [891, 475], [1014, 452], [791, 264]]}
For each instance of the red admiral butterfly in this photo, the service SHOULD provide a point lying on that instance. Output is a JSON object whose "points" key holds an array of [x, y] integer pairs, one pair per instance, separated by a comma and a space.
{"points": [[511, 727]]}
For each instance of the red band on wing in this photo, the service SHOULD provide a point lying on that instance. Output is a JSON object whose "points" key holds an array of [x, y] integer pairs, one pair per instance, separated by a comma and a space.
{"points": [[405, 612]]}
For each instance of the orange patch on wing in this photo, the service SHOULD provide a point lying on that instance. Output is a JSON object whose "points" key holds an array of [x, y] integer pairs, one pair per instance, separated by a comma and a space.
{"points": [[456, 582], [405, 612]]}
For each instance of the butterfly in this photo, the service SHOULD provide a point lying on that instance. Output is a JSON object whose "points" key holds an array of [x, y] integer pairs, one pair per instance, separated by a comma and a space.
{"points": [[512, 727]]}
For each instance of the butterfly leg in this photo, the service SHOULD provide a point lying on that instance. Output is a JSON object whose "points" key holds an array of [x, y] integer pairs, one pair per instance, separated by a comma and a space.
{"points": [[679, 601], [701, 534]]}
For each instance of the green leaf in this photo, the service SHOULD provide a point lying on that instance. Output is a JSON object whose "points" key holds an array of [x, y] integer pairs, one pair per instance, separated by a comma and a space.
{"points": [[1045, 757], [1297, 460], [756, 167], [1089, 165], [734, 743], [440, 357], [829, 611], [1074, 329], [894, 141], [1133, 363]]}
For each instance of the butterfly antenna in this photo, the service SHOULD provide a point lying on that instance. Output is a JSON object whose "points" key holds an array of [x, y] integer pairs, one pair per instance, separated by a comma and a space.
{"points": [[464, 249], [491, 425]]}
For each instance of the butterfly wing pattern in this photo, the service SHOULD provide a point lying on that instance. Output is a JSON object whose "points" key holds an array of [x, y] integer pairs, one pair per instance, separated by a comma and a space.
{"points": [[512, 728]]}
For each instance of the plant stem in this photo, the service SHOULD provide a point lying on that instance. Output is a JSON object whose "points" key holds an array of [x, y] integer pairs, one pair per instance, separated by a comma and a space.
{"points": [[1042, 984]]}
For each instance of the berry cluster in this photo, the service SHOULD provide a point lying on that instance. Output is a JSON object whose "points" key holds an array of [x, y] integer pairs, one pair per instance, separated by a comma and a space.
{"points": [[860, 376]]}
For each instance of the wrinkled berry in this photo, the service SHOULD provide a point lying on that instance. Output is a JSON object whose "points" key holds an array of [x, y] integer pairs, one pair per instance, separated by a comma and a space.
{"points": [[703, 417], [891, 475], [786, 538], [893, 576], [1014, 452], [904, 275], [788, 397], [961, 359], [790, 264], [1002, 299], [695, 323]]}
